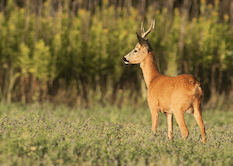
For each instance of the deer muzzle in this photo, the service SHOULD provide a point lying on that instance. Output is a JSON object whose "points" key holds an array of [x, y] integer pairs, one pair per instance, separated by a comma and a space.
{"points": [[125, 60]]}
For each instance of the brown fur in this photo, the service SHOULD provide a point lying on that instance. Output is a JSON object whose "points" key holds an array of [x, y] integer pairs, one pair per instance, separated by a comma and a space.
{"points": [[169, 95]]}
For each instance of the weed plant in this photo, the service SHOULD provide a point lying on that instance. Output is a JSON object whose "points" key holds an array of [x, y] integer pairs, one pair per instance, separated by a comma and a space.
{"points": [[49, 135]]}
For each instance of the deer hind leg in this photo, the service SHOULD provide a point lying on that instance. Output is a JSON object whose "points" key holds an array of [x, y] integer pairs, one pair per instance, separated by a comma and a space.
{"points": [[179, 115], [170, 125], [198, 117]]}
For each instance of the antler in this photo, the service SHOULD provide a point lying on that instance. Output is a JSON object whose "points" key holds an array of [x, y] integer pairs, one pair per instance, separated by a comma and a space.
{"points": [[152, 27]]}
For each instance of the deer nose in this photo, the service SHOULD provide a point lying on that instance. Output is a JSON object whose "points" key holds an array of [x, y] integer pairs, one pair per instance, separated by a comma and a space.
{"points": [[125, 60]]}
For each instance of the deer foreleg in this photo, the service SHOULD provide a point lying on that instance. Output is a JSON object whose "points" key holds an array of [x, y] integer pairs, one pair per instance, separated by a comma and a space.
{"points": [[154, 118]]}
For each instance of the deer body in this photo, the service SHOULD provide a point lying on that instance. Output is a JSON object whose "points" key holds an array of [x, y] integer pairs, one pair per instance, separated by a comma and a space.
{"points": [[169, 95]]}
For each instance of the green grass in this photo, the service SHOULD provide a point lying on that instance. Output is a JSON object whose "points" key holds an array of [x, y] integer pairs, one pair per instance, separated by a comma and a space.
{"points": [[49, 135]]}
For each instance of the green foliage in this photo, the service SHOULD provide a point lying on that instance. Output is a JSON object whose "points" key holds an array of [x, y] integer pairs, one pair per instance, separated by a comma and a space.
{"points": [[24, 59], [91, 45], [41, 59], [48, 135], [98, 47]]}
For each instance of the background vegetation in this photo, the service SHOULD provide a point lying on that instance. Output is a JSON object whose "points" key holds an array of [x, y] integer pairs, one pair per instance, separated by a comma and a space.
{"points": [[71, 52], [48, 135]]}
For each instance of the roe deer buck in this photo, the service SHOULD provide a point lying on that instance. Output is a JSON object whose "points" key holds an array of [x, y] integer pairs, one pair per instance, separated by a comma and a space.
{"points": [[169, 95]]}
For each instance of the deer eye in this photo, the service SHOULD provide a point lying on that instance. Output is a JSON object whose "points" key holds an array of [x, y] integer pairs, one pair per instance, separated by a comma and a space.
{"points": [[135, 51]]}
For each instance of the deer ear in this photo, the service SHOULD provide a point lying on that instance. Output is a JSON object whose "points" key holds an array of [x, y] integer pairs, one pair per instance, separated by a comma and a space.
{"points": [[144, 42], [141, 40]]}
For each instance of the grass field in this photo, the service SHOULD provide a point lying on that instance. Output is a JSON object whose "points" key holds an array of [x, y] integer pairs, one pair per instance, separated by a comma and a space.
{"points": [[49, 135]]}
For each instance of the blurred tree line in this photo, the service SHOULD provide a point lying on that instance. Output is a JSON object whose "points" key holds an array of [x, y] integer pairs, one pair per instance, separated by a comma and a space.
{"points": [[70, 51]]}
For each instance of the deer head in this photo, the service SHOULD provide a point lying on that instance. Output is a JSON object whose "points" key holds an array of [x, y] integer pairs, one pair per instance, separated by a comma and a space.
{"points": [[142, 48]]}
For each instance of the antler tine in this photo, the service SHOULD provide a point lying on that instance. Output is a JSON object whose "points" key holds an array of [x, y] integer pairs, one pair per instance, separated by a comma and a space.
{"points": [[152, 27], [142, 29]]}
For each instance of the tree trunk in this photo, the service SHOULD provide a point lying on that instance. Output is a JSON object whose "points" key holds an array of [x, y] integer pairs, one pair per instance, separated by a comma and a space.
{"points": [[220, 80], [5, 85], [195, 9], [114, 93], [43, 91], [184, 11], [84, 84], [103, 88], [196, 70], [142, 8], [170, 5], [22, 90], [30, 89], [231, 16], [212, 103], [213, 90], [1, 82], [11, 83]]}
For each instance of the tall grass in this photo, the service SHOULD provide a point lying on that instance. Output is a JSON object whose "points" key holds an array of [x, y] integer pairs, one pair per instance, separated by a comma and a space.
{"points": [[49, 135]]}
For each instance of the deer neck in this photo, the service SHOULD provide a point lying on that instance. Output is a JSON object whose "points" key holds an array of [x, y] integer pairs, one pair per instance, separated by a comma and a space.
{"points": [[149, 68]]}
